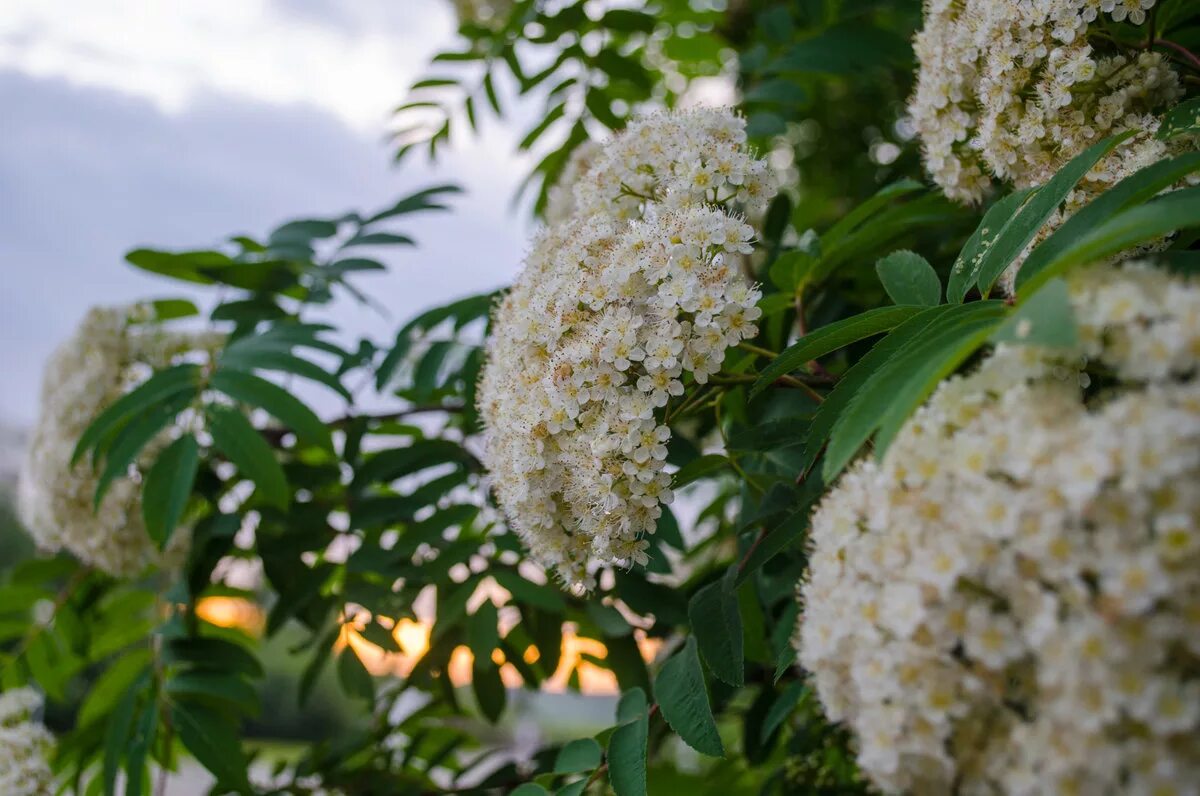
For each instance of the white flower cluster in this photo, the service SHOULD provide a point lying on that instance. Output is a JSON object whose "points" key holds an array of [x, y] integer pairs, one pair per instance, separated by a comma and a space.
{"points": [[1010, 601], [614, 309], [560, 199], [25, 746], [105, 358], [1014, 90], [676, 160]]}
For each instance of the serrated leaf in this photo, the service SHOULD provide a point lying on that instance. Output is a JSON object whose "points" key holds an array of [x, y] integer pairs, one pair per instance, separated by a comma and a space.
{"points": [[283, 362], [1044, 319], [234, 436], [1134, 189], [120, 725], [213, 740], [1033, 214], [109, 688], [909, 279], [682, 697], [1166, 214], [424, 200], [830, 338], [627, 745], [936, 345], [583, 754], [717, 628], [278, 402], [965, 270], [168, 486], [210, 685]]}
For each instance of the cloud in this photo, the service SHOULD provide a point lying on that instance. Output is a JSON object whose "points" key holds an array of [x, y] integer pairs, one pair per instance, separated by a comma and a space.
{"points": [[90, 173], [334, 56]]}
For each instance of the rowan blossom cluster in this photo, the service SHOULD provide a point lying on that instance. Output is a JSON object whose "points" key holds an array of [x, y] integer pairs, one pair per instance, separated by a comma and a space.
{"points": [[108, 355], [1014, 90], [1009, 602], [676, 160], [615, 310], [25, 746]]}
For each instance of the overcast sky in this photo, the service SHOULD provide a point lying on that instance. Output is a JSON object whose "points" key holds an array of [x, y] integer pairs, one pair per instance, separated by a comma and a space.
{"points": [[138, 122]]}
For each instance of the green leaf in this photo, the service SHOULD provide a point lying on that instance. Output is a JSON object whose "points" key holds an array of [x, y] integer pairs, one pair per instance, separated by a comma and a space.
{"points": [[909, 279], [1032, 215], [230, 691], [698, 468], [791, 270], [627, 745], [717, 627], [379, 239], [108, 689], [170, 309], [278, 402], [580, 755], [489, 689], [120, 725], [930, 361], [483, 633], [1134, 189], [1166, 214], [381, 637], [831, 337], [428, 199], [529, 789], [168, 486], [215, 653], [853, 380], [213, 739], [1044, 319], [131, 440], [389, 465], [356, 681], [781, 707], [1183, 118], [966, 266], [234, 436], [162, 386], [683, 698], [139, 747], [936, 346], [544, 596], [283, 362]]}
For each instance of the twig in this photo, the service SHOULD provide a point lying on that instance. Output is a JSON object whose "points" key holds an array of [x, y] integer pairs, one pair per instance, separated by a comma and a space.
{"points": [[1187, 54]]}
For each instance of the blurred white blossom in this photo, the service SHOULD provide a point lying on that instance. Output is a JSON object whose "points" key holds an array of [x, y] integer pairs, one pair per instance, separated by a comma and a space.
{"points": [[25, 746], [1010, 601], [108, 355]]}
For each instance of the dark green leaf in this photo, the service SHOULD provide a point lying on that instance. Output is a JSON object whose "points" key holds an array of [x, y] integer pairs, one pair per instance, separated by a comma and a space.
{"points": [[683, 698], [162, 386], [579, 755], [698, 468], [353, 675], [783, 705], [1134, 189], [831, 337], [234, 436], [1033, 214], [489, 689], [168, 486], [1183, 118], [717, 628], [278, 402], [213, 739], [131, 440], [483, 633], [627, 745], [909, 279]]}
